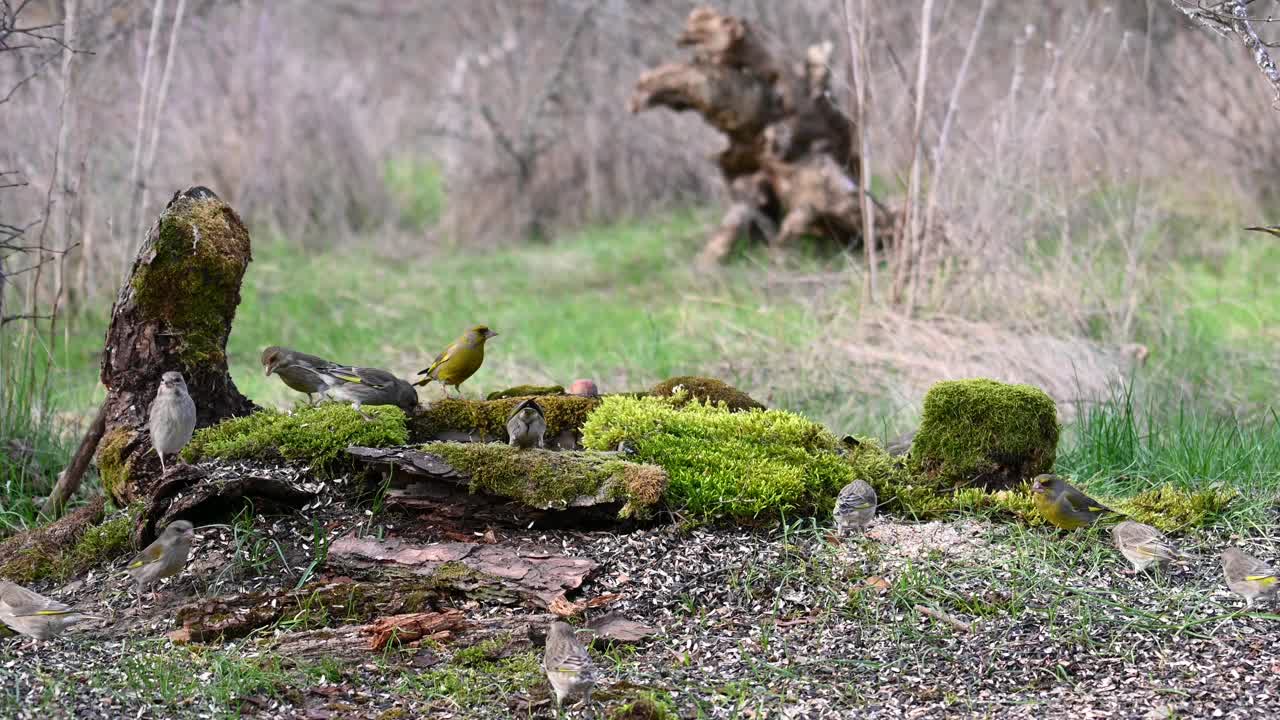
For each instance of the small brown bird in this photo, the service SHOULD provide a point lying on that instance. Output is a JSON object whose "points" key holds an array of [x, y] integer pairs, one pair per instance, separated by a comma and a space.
{"points": [[568, 665], [1247, 576], [34, 615], [460, 360], [1143, 545], [368, 386], [584, 388], [172, 416], [164, 557], [855, 506], [1063, 505], [527, 426], [299, 371]]}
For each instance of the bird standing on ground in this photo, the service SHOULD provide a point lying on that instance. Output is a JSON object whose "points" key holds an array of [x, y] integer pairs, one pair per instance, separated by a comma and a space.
{"points": [[527, 426], [855, 506], [1064, 505], [34, 615], [1247, 576], [568, 664], [1143, 545], [460, 360], [172, 418], [164, 557], [299, 371], [368, 386]]}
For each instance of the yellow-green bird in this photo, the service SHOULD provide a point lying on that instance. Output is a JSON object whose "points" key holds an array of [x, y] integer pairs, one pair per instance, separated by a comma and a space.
{"points": [[1269, 229], [1065, 506], [34, 615], [1247, 576], [460, 360]]}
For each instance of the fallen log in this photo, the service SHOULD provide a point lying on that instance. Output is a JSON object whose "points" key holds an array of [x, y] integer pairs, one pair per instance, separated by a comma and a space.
{"points": [[498, 573], [473, 484]]}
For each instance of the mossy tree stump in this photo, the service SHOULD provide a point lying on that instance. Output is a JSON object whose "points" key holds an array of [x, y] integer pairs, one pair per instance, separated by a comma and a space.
{"points": [[173, 313]]}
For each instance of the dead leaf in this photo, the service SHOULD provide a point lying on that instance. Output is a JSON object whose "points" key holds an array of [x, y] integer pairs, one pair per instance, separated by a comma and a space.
{"points": [[562, 606], [875, 583], [412, 626]]}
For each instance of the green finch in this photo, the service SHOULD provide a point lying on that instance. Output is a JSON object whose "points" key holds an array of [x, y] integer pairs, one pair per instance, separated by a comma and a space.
{"points": [[369, 386], [1247, 576], [172, 418], [164, 557], [460, 360], [1065, 506], [299, 371], [34, 615], [527, 426], [1143, 545], [568, 664], [855, 506]]}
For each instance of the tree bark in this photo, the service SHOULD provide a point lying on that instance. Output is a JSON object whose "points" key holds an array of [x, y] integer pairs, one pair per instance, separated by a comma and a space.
{"points": [[790, 164], [173, 313]]}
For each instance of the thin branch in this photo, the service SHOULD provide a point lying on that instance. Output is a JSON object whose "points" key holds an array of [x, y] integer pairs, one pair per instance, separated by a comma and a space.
{"points": [[1229, 18]]}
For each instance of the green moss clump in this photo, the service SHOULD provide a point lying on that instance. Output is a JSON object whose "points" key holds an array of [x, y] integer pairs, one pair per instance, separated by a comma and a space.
{"points": [[747, 466], [984, 433], [315, 435], [192, 281], [553, 480], [113, 467], [1174, 509], [96, 545], [648, 706], [705, 389], [524, 391], [487, 419]]}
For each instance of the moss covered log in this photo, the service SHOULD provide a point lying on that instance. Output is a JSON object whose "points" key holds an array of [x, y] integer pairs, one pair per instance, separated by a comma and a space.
{"points": [[173, 313], [312, 435], [983, 433], [486, 420], [81, 541], [705, 389]]}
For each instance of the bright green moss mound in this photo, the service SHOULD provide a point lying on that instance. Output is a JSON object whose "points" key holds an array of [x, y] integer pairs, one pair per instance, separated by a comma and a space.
{"points": [[314, 435], [705, 389], [1174, 509], [747, 466], [192, 281], [983, 433], [554, 480], [523, 391], [486, 420]]}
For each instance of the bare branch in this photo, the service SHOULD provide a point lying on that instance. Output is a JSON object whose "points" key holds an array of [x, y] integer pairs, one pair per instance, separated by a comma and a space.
{"points": [[1231, 18]]}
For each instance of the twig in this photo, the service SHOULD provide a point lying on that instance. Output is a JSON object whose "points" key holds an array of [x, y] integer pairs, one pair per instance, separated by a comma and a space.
{"points": [[860, 65], [944, 617], [69, 480], [1232, 18]]}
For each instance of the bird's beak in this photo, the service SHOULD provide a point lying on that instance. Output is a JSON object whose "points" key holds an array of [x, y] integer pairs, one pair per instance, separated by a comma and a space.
{"points": [[266, 369], [493, 334]]}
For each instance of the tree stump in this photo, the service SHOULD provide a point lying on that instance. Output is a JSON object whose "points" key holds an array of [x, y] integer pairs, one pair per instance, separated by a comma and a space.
{"points": [[173, 313], [790, 165]]}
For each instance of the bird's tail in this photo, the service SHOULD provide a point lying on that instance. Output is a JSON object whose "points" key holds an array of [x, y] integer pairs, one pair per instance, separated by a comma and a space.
{"points": [[423, 382]]}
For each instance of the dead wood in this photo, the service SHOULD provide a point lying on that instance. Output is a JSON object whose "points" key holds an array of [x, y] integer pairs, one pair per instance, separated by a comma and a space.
{"points": [[499, 573], [69, 479]]}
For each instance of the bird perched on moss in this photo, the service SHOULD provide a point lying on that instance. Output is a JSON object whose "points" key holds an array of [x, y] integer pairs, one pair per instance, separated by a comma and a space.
{"points": [[1143, 545], [460, 360], [567, 664], [172, 417], [1247, 576], [1063, 505], [527, 426], [368, 386], [298, 370], [34, 615], [855, 506], [163, 558]]}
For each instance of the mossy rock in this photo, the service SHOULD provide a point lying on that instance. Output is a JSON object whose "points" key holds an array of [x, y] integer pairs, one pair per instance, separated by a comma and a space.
{"points": [[191, 281], [983, 433], [746, 467], [705, 389], [549, 480], [486, 420], [314, 435], [524, 391]]}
